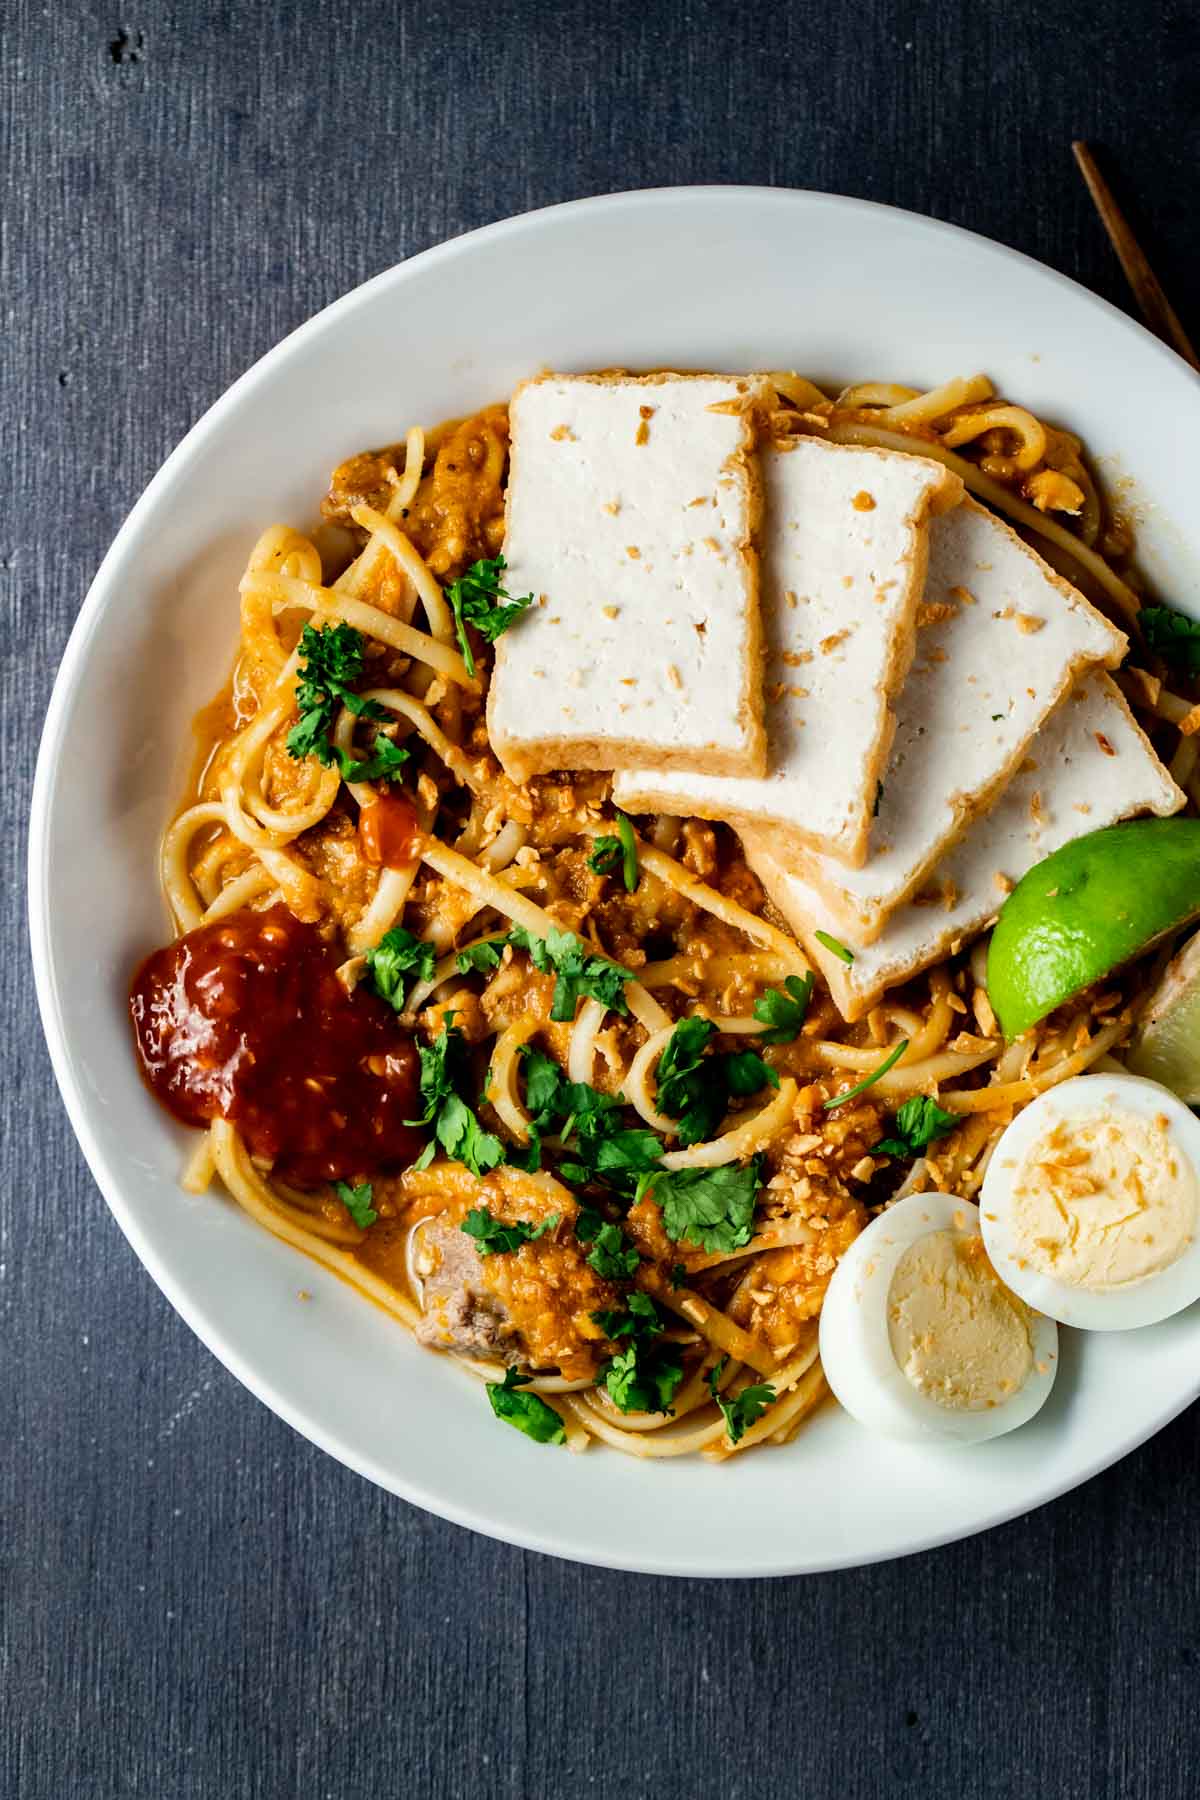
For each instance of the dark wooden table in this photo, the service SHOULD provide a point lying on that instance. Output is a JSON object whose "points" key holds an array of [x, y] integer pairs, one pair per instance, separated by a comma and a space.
{"points": [[195, 1601]]}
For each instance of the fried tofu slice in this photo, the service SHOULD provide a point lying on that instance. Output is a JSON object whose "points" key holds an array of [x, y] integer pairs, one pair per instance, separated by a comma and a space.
{"points": [[632, 513]]}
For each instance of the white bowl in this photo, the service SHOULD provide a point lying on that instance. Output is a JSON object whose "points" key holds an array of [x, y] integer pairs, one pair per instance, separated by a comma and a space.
{"points": [[722, 278]]}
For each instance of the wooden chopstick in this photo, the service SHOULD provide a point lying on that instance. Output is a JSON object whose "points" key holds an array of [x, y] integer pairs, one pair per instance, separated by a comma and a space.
{"points": [[1156, 309]]}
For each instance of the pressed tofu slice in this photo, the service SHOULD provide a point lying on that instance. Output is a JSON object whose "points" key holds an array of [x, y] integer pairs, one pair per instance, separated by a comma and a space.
{"points": [[1095, 766], [1001, 640], [845, 542], [633, 504]]}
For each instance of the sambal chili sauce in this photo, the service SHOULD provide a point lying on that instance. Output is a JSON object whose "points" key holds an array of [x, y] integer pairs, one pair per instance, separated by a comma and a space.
{"points": [[389, 831], [246, 1020]]}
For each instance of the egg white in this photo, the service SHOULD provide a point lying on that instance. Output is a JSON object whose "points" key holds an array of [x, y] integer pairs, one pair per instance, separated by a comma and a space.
{"points": [[1145, 1302], [856, 1352]]}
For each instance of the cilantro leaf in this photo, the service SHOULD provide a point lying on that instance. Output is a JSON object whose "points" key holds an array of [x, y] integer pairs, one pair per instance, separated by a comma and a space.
{"points": [[479, 959], [696, 1089], [331, 658], [612, 1256], [492, 1235], [475, 599], [463, 1138], [603, 1147], [525, 1412], [643, 1378], [384, 763], [710, 1208], [744, 1072], [455, 1126], [397, 954], [357, 1201], [579, 972], [683, 1090], [622, 1153], [745, 1408], [1173, 636], [918, 1122], [640, 1319], [784, 1012], [544, 1083]]}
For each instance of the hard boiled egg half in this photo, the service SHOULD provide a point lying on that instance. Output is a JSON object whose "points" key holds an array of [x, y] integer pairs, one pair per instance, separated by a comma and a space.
{"points": [[1091, 1203], [921, 1339]]}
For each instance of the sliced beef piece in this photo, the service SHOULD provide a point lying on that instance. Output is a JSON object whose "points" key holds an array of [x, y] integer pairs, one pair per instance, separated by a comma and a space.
{"points": [[460, 1313]]}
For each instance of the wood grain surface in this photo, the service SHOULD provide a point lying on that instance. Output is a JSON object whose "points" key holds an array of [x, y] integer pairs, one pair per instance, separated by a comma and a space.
{"points": [[195, 1602]]}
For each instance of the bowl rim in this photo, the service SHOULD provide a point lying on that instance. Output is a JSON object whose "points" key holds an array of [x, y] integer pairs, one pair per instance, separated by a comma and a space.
{"points": [[67, 678]]}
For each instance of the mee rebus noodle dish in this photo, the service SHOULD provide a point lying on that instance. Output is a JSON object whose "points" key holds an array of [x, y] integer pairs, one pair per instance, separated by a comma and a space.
{"points": [[595, 1095]]}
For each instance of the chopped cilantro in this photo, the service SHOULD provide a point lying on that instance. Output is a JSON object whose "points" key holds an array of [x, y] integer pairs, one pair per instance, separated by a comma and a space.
{"points": [[602, 1147], [526, 1412], [612, 1256], [331, 659], [384, 763], [397, 954], [492, 1234], [455, 1126], [475, 599], [784, 1013], [710, 1208], [579, 972], [357, 1201], [641, 1319], [678, 1275], [480, 958], [745, 1408], [832, 944], [918, 1122], [644, 1378], [1173, 636], [878, 799], [996, 716], [860, 1087], [695, 1089], [622, 849]]}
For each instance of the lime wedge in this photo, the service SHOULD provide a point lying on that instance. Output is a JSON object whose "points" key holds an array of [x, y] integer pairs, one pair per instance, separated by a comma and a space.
{"points": [[1167, 1048], [1088, 908]]}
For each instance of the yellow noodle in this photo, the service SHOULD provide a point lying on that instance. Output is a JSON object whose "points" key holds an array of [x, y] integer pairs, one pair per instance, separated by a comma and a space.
{"points": [[1004, 501]]}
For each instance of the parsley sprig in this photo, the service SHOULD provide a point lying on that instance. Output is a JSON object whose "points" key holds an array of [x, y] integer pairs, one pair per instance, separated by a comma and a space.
{"points": [[455, 1126], [478, 598], [525, 1412], [918, 1122], [332, 658]]}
